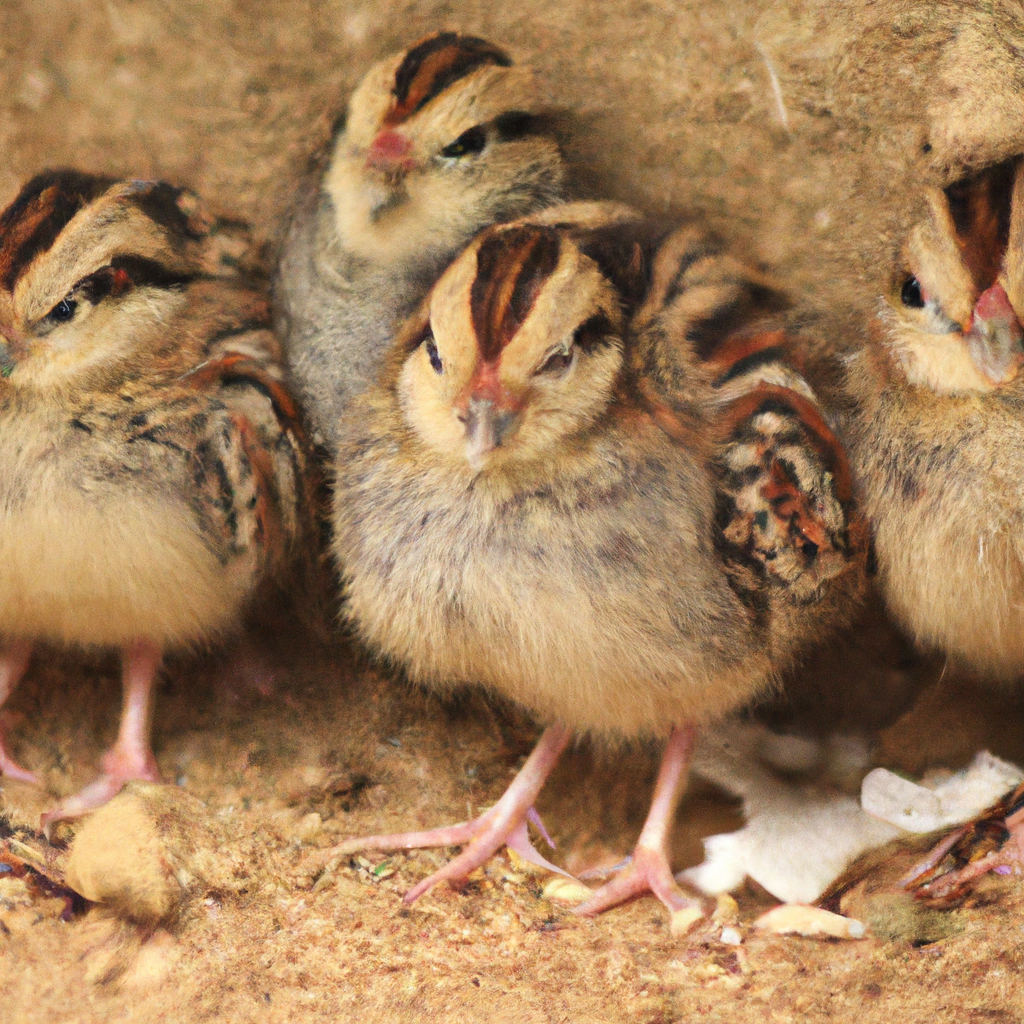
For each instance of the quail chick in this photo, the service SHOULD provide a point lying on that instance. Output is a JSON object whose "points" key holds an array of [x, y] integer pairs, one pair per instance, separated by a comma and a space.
{"points": [[440, 141], [938, 435], [627, 535], [153, 463]]}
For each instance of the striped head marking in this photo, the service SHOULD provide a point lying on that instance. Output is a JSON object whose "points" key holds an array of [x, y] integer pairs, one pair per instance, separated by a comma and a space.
{"points": [[86, 261], [955, 320], [511, 269], [440, 141], [433, 65], [518, 346]]}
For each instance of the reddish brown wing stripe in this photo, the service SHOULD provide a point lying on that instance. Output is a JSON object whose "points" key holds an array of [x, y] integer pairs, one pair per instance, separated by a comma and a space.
{"points": [[433, 65], [237, 367], [772, 397], [270, 533], [740, 354], [511, 267]]}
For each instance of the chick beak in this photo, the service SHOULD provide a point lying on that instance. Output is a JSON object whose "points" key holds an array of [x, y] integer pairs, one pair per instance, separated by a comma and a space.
{"points": [[996, 338], [388, 160], [486, 428], [12, 345]]}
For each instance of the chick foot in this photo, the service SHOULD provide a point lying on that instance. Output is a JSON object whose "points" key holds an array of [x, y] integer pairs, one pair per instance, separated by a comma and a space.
{"points": [[649, 870], [994, 841], [131, 756], [503, 825], [13, 665]]}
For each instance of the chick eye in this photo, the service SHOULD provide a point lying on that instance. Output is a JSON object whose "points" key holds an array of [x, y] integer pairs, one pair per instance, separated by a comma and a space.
{"points": [[433, 355], [556, 362], [63, 311], [910, 295], [472, 140]]}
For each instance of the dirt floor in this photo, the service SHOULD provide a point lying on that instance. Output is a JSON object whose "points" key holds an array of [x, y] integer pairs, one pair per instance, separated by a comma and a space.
{"points": [[802, 130]]}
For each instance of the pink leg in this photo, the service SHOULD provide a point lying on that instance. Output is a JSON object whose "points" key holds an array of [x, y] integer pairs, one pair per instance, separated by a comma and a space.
{"points": [[131, 756], [649, 870], [503, 825], [13, 665]]}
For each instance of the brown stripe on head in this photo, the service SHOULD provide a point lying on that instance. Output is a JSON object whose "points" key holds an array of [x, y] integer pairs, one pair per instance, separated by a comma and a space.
{"points": [[512, 266], [433, 65], [980, 209], [41, 211]]}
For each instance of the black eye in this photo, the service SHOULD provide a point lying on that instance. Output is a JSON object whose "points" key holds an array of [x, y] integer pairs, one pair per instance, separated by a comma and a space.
{"points": [[911, 295], [472, 140], [556, 362], [433, 355], [64, 310]]}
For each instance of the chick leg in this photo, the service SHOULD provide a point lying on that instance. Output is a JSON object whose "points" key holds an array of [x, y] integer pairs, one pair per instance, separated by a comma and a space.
{"points": [[131, 756], [503, 825], [13, 664], [649, 870], [994, 841]]}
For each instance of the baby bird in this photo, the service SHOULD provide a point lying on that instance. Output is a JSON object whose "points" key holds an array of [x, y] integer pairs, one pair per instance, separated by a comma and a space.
{"points": [[626, 531], [153, 463], [440, 141], [938, 438]]}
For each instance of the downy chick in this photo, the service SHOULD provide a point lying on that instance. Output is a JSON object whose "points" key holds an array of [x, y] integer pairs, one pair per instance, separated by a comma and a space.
{"points": [[625, 536], [938, 438], [440, 141], [153, 466]]}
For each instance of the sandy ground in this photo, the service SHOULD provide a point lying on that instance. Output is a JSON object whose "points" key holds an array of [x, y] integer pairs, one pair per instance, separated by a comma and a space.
{"points": [[801, 130]]}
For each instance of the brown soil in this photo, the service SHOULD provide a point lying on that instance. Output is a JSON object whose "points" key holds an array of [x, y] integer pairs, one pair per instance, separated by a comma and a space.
{"points": [[676, 111]]}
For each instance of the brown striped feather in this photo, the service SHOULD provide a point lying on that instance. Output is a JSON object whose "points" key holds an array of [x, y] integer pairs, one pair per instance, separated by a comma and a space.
{"points": [[512, 267], [43, 208], [433, 65], [738, 347], [825, 443]]}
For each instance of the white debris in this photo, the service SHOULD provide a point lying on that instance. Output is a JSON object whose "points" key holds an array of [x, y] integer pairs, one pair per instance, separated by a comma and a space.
{"points": [[930, 805], [799, 836]]}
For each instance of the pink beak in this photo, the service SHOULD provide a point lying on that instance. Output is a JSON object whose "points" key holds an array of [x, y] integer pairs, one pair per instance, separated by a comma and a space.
{"points": [[10, 333], [996, 338], [389, 151]]}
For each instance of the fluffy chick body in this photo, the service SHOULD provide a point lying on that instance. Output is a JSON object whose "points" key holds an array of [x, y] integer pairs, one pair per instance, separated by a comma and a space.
{"points": [[154, 467], [585, 587], [938, 435], [113, 524], [627, 530], [440, 141]]}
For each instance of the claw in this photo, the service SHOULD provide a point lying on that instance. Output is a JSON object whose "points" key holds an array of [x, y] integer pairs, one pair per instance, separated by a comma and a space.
{"points": [[502, 825], [131, 757], [649, 870]]}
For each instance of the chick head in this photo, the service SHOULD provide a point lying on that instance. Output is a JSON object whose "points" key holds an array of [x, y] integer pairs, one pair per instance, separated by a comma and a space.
{"points": [[517, 349], [440, 141], [954, 310], [90, 268]]}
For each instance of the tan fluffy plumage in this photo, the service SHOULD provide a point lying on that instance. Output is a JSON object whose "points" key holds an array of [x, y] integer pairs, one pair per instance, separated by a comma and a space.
{"points": [[938, 443], [939, 431], [440, 141], [628, 531], [153, 464]]}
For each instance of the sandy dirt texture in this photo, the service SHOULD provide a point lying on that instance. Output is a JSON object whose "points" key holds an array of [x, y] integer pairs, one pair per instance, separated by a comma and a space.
{"points": [[802, 131]]}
